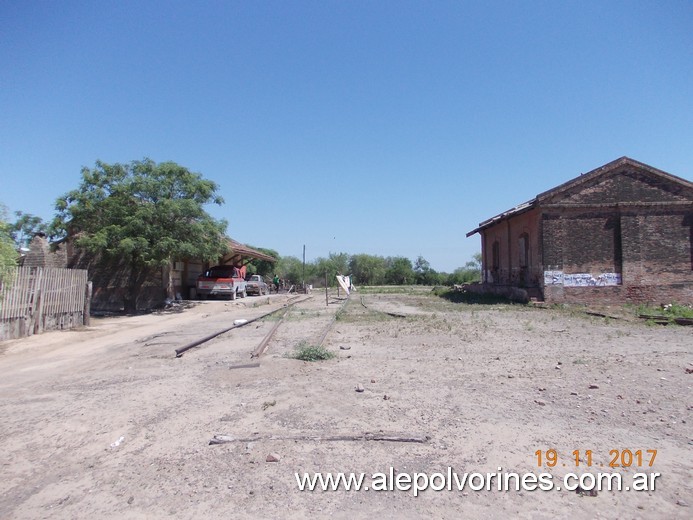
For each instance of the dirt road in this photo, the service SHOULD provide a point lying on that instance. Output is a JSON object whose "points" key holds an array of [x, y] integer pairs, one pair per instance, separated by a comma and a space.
{"points": [[108, 423]]}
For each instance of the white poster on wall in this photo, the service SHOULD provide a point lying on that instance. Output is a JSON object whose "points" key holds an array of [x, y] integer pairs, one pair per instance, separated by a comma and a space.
{"points": [[581, 279], [553, 277]]}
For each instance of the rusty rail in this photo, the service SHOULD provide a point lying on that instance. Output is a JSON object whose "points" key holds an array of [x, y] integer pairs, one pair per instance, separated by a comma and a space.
{"points": [[179, 351]]}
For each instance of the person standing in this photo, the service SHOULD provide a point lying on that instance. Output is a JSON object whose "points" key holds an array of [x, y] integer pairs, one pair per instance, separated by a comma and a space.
{"points": [[275, 281]]}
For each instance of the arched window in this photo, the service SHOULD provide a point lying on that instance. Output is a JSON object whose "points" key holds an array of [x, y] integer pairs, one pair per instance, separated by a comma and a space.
{"points": [[495, 256], [523, 248]]}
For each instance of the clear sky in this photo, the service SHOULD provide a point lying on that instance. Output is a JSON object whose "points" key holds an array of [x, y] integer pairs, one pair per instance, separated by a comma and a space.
{"points": [[380, 127]]}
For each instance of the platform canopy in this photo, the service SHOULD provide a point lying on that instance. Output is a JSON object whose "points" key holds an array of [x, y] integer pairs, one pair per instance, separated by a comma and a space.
{"points": [[240, 254]]}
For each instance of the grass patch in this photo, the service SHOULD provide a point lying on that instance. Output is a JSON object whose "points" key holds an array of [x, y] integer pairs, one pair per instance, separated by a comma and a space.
{"points": [[673, 310], [302, 314], [307, 352], [394, 289]]}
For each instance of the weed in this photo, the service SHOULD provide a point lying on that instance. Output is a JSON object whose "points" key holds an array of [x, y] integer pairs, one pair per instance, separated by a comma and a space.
{"points": [[307, 352], [671, 311], [267, 404]]}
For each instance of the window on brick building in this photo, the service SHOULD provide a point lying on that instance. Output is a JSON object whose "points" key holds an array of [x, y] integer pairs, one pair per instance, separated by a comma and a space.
{"points": [[495, 256], [523, 248]]}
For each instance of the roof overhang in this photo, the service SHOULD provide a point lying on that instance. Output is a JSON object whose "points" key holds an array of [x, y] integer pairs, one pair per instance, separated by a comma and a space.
{"points": [[517, 210], [242, 254]]}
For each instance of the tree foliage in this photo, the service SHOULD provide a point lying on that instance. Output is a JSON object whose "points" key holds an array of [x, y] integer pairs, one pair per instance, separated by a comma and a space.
{"points": [[23, 229], [470, 272], [368, 269], [399, 271], [143, 215], [376, 270], [262, 267], [8, 251], [290, 268]]}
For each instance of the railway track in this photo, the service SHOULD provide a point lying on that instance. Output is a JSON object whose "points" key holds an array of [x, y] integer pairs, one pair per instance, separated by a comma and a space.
{"points": [[315, 318]]}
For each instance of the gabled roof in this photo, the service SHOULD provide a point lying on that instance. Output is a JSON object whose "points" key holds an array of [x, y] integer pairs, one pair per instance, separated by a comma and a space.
{"points": [[585, 179]]}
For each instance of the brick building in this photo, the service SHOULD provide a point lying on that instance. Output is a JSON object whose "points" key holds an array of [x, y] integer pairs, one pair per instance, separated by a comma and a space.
{"points": [[620, 233], [40, 254]]}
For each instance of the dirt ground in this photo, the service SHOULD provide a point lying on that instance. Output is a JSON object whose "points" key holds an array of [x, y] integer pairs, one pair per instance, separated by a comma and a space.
{"points": [[106, 422]]}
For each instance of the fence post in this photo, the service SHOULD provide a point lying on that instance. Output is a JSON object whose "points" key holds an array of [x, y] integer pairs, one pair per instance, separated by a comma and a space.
{"points": [[39, 300], [87, 304], [36, 316]]}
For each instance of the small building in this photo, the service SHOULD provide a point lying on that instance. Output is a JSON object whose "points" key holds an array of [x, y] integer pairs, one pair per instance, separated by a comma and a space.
{"points": [[183, 275], [110, 278], [620, 233]]}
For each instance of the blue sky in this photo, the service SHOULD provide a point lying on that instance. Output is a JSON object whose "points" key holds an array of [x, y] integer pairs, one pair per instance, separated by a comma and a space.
{"points": [[378, 127]]}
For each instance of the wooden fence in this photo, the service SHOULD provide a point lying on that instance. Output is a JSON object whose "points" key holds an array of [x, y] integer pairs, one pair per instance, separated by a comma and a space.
{"points": [[38, 299]]}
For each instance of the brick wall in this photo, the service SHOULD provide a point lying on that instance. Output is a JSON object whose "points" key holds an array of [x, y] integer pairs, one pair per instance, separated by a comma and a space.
{"points": [[582, 243], [625, 219], [40, 254], [507, 234], [651, 249]]}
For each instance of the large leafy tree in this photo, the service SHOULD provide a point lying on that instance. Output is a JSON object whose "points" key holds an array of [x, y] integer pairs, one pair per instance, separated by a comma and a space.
{"points": [[335, 263], [399, 271], [142, 215], [368, 269]]}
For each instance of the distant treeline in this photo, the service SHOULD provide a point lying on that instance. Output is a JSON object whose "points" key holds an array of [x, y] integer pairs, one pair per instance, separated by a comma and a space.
{"points": [[365, 270]]}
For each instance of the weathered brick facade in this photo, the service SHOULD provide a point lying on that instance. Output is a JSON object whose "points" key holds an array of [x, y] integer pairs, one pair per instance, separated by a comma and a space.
{"points": [[620, 233]]}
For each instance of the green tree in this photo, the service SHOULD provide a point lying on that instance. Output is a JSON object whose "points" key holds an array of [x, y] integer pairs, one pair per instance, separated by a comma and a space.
{"points": [[25, 227], [291, 268], [367, 269], [399, 271], [142, 215], [425, 275], [8, 251], [470, 272], [262, 267], [333, 264]]}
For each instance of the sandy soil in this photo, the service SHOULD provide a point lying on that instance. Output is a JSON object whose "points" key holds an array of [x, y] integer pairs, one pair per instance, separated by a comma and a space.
{"points": [[489, 384]]}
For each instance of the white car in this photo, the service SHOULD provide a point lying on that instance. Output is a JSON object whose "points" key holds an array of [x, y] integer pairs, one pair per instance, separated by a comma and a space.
{"points": [[255, 284]]}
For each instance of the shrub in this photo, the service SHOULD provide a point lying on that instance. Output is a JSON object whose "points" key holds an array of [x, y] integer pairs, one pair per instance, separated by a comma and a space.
{"points": [[306, 352]]}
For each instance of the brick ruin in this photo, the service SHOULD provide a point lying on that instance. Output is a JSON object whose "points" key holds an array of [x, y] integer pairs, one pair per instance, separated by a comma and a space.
{"points": [[620, 233]]}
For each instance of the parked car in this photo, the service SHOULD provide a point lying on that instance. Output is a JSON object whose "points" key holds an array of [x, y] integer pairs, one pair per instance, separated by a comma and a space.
{"points": [[222, 280], [255, 284]]}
